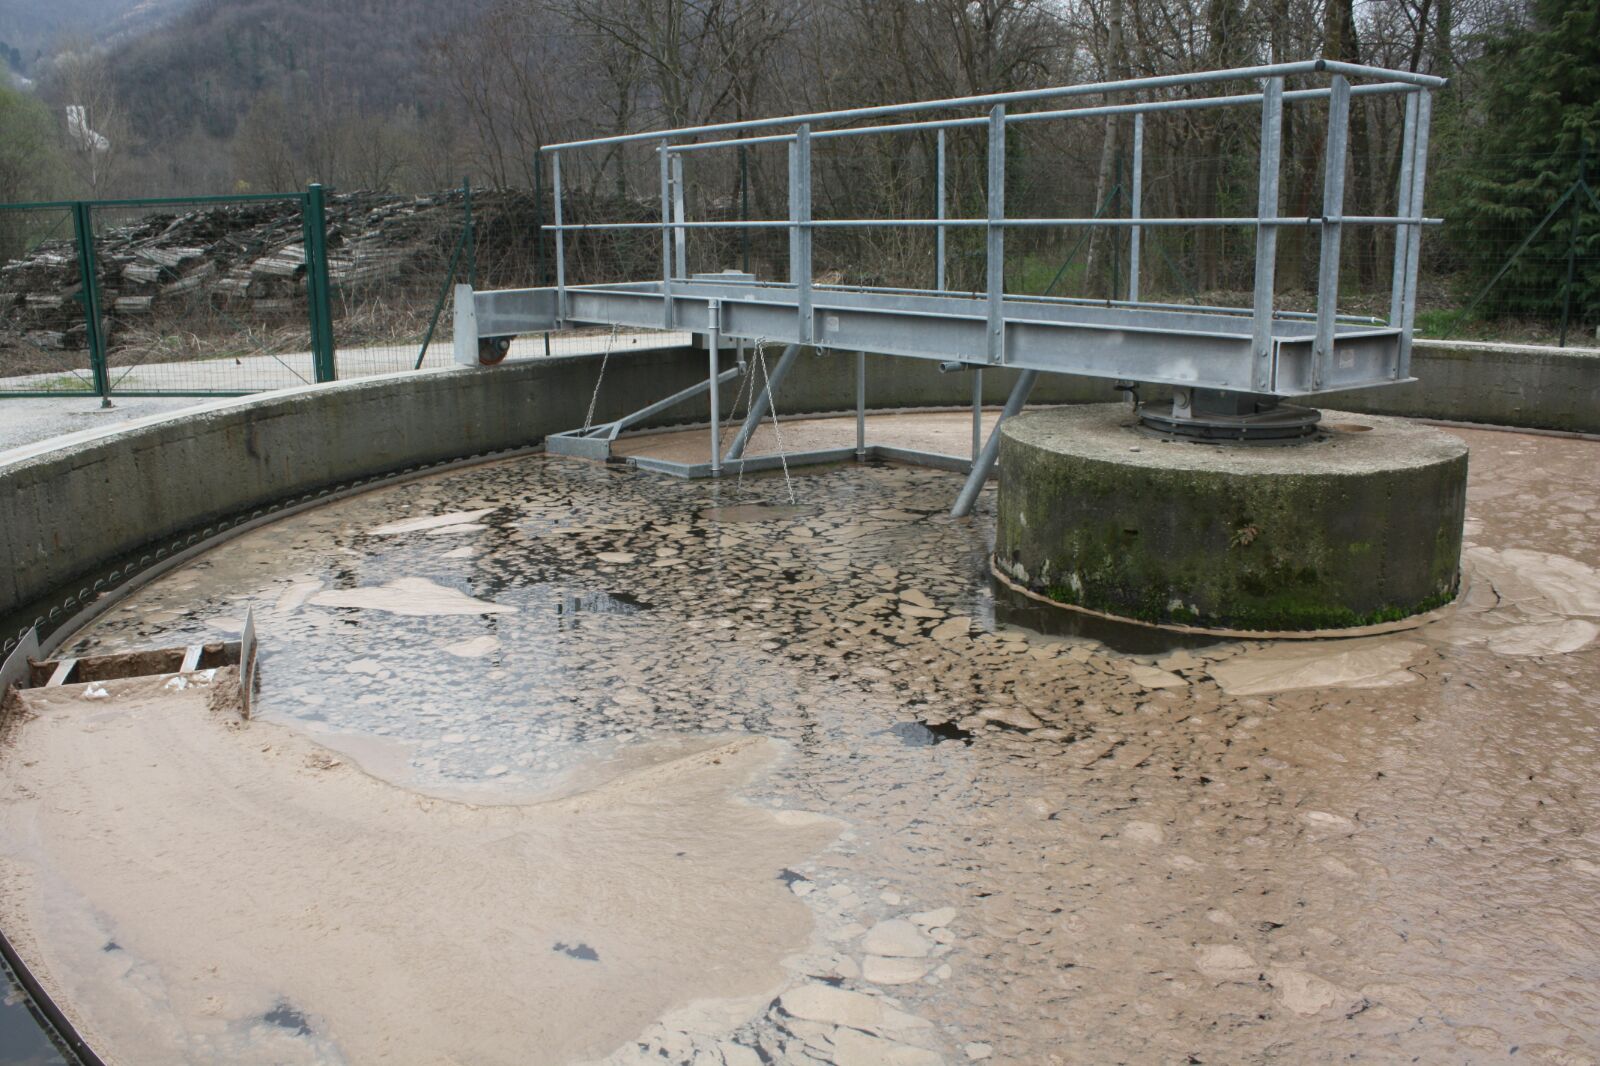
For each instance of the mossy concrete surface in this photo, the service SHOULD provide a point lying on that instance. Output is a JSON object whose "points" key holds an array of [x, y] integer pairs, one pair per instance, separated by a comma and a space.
{"points": [[1361, 525]]}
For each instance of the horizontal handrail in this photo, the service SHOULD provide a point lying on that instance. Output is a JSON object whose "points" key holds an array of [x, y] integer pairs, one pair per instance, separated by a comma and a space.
{"points": [[1199, 103], [1269, 70], [980, 223]]}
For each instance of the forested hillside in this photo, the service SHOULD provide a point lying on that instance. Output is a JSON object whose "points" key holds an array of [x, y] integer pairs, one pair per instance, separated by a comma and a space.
{"points": [[31, 30], [411, 95]]}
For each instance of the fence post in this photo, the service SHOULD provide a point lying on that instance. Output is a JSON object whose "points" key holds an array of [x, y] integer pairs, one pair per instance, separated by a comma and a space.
{"points": [[316, 249], [89, 296], [472, 233], [1572, 237]]}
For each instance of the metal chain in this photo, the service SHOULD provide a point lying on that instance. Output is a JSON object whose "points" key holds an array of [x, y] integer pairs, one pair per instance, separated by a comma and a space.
{"points": [[588, 419], [783, 459]]}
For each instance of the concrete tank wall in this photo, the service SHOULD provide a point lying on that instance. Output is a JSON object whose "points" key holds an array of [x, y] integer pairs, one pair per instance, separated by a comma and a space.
{"points": [[72, 507]]}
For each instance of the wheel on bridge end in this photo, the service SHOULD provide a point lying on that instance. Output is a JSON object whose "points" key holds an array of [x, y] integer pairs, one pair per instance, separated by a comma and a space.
{"points": [[492, 350]]}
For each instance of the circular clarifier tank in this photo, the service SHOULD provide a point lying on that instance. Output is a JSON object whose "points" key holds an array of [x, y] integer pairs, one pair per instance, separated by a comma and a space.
{"points": [[556, 761], [1357, 525]]}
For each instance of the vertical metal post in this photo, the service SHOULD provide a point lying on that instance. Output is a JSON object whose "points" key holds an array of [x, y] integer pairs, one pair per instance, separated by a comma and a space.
{"points": [[1572, 236], [1266, 233], [665, 159], [317, 284], [996, 234], [680, 236], [744, 207], [861, 406], [991, 450], [1419, 177], [538, 219], [89, 296], [938, 213], [471, 233], [800, 228], [1402, 209], [714, 345], [1334, 157], [1136, 208], [561, 241], [977, 413]]}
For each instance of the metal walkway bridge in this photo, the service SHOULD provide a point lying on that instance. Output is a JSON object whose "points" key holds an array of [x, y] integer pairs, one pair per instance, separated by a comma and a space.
{"points": [[1231, 368]]}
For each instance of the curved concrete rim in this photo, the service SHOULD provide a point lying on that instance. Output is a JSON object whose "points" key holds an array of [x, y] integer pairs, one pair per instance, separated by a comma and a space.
{"points": [[1415, 621]]}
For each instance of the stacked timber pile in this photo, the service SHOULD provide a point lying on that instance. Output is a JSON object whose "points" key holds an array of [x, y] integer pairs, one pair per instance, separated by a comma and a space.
{"points": [[246, 260]]}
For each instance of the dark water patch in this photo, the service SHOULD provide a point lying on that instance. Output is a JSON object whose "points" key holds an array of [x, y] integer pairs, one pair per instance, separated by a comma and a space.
{"points": [[577, 951], [602, 603], [25, 1037], [754, 512], [285, 1016], [922, 735]]}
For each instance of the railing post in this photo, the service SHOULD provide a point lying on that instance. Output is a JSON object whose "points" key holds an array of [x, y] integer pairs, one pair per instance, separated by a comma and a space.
{"points": [[538, 218], [744, 208], [800, 229], [1266, 233], [1402, 209], [561, 241], [665, 160], [1419, 176], [1136, 208], [995, 251], [680, 236], [89, 296], [939, 209], [317, 284], [1334, 156]]}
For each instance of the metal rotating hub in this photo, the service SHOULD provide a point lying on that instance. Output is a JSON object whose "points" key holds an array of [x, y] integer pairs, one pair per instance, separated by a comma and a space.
{"points": [[1231, 417]]}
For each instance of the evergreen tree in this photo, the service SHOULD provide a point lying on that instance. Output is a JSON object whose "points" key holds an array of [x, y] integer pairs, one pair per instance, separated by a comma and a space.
{"points": [[1514, 148]]}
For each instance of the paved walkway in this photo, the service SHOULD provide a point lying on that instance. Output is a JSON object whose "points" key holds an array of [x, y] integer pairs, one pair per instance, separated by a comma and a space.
{"points": [[62, 406]]}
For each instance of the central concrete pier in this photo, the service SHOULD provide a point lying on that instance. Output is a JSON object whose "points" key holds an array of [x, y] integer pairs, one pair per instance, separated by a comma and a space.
{"points": [[1358, 525]]}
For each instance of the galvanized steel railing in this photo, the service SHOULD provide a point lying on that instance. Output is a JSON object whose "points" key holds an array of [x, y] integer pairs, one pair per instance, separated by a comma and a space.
{"points": [[800, 131]]}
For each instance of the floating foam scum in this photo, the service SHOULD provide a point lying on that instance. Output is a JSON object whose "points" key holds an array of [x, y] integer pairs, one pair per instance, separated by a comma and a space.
{"points": [[1077, 833]]}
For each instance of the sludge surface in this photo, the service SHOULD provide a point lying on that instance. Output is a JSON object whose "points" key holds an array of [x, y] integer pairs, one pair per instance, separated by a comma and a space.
{"points": [[1051, 852]]}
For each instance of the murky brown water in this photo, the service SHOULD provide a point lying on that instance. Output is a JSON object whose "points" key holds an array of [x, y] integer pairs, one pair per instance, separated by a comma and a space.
{"points": [[1053, 852]]}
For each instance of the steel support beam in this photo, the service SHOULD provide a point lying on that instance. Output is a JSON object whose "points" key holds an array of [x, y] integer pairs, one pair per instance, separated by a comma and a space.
{"points": [[991, 449], [713, 379], [861, 406]]}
